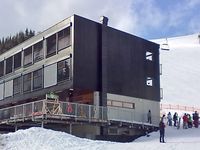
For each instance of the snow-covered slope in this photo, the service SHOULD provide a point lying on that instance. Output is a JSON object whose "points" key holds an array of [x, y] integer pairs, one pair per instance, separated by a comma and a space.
{"points": [[43, 139], [180, 77]]}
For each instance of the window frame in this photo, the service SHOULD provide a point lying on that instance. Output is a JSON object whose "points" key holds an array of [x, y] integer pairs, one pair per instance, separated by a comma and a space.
{"points": [[38, 49], [10, 65], [30, 80], [15, 60]]}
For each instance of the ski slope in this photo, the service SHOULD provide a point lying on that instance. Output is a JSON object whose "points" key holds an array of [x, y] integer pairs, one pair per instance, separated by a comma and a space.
{"points": [[180, 77], [44, 139]]}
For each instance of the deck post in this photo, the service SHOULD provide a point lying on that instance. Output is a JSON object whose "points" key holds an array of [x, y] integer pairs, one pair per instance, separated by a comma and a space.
{"points": [[70, 128], [15, 127]]}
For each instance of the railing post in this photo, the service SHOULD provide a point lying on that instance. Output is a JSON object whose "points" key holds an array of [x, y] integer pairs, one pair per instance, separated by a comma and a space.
{"points": [[23, 112], [32, 110], [89, 113]]}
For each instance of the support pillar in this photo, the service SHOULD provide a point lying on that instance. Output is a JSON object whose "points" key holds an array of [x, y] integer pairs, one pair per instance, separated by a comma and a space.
{"points": [[70, 128]]}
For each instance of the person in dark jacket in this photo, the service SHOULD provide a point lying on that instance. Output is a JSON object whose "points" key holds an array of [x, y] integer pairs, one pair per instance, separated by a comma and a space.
{"points": [[162, 131], [149, 116]]}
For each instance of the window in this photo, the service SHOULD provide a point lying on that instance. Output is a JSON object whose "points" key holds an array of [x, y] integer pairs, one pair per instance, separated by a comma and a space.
{"points": [[9, 64], [63, 70], [149, 81], [17, 85], [17, 60], [1, 68], [27, 82], [38, 51], [51, 45], [37, 79], [63, 38], [149, 56], [28, 56]]}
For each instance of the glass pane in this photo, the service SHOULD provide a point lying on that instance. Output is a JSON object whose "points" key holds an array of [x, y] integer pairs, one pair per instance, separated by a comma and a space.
{"points": [[63, 38], [51, 45], [38, 51], [63, 70], [27, 82], [28, 56], [37, 79], [1, 68], [9, 63], [17, 60], [17, 85]]}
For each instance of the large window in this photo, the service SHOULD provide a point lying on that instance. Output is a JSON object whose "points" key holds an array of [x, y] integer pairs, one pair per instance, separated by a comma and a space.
{"points": [[51, 45], [17, 85], [28, 56], [27, 82], [17, 60], [1, 68], [63, 70], [37, 79], [9, 64], [38, 51], [63, 38]]}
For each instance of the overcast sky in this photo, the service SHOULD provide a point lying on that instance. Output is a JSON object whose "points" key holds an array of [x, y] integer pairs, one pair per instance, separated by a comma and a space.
{"points": [[146, 18]]}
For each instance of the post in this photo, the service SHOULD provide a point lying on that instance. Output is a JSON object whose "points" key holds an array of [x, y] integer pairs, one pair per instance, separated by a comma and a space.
{"points": [[70, 128], [15, 127], [42, 125]]}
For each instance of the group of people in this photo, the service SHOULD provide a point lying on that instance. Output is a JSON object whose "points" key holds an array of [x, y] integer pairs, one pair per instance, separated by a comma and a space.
{"points": [[188, 122]]}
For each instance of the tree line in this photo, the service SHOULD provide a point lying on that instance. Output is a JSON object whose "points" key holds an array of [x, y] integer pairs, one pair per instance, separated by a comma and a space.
{"points": [[11, 41]]}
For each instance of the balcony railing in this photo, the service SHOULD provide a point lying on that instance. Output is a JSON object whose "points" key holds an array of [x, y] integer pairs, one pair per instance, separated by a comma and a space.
{"points": [[76, 111]]}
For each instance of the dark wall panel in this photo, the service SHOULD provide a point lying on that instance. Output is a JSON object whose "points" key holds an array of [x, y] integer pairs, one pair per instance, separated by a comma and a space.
{"points": [[86, 54], [127, 67]]}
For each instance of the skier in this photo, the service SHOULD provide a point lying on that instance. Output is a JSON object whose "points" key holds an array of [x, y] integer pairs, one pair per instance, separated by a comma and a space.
{"points": [[185, 121], [196, 119], [169, 118], [175, 118], [162, 131]]}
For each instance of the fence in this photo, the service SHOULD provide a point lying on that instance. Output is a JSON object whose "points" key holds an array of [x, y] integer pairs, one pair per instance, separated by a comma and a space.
{"points": [[179, 107]]}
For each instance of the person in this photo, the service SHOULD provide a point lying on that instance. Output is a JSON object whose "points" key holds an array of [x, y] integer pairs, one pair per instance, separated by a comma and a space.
{"points": [[189, 121], [149, 116], [162, 131], [169, 119], [185, 121], [175, 118], [196, 119]]}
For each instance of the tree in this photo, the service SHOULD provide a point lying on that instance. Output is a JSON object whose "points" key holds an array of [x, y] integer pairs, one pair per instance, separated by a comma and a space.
{"points": [[11, 41]]}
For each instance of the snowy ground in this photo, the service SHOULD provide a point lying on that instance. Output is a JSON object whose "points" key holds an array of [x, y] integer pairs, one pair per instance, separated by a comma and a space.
{"points": [[44, 139]]}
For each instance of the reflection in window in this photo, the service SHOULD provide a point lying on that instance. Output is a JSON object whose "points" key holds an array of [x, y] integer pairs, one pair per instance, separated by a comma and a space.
{"points": [[149, 81], [51, 45], [63, 38], [37, 79], [1, 68], [38, 53], [9, 64], [149, 56], [17, 85], [63, 70], [27, 82], [17, 60], [28, 56]]}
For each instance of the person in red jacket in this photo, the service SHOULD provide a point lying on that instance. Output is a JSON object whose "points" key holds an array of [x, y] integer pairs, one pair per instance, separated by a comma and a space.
{"points": [[185, 121]]}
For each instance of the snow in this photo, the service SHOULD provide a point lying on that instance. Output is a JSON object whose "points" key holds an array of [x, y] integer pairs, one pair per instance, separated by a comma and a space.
{"points": [[180, 77], [44, 139]]}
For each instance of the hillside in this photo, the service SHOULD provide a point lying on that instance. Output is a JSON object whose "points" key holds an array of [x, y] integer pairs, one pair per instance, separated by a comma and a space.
{"points": [[180, 77]]}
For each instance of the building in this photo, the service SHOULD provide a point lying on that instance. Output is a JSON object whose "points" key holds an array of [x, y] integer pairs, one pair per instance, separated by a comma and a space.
{"points": [[88, 63]]}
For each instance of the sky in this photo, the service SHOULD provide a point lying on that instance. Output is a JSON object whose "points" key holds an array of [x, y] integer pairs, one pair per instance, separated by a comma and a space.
{"points": [[150, 19]]}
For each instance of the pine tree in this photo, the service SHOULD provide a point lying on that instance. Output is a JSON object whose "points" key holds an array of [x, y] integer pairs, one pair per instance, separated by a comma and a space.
{"points": [[11, 41]]}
